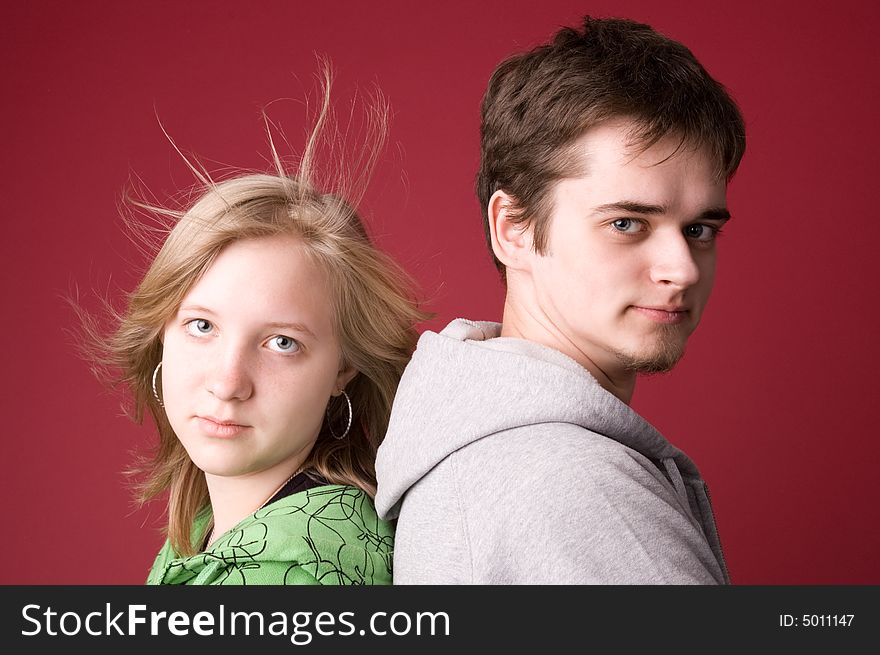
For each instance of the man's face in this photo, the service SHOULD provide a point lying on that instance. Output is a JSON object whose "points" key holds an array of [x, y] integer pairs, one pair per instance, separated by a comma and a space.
{"points": [[630, 256]]}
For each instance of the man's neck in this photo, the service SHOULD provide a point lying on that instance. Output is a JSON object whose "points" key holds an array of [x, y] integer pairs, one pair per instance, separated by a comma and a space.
{"points": [[522, 323]]}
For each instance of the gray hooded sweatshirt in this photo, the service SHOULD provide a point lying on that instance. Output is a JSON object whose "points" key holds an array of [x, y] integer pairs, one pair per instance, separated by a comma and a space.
{"points": [[506, 462]]}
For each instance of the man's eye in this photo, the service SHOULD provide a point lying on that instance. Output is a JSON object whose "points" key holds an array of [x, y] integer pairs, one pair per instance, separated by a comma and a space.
{"points": [[283, 344], [626, 225], [701, 232], [199, 327]]}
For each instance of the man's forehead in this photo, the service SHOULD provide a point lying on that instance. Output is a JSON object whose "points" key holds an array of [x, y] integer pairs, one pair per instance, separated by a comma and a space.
{"points": [[623, 142], [658, 181]]}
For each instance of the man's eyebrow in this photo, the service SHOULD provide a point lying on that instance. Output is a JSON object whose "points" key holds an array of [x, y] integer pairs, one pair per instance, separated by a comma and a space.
{"points": [[631, 207], [712, 214], [715, 214]]}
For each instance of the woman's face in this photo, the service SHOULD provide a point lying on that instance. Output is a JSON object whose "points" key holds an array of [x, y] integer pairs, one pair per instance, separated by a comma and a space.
{"points": [[250, 360]]}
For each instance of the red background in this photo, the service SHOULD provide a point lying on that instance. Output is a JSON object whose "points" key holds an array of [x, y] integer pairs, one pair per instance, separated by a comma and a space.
{"points": [[775, 399]]}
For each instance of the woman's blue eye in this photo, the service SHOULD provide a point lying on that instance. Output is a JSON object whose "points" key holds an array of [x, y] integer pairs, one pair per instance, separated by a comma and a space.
{"points": [[283, 344], [199, 327], [626, 225]]}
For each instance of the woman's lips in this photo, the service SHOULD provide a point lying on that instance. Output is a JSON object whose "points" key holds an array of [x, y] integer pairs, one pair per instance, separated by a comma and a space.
{"points": [[216, 428], [665, 316]]}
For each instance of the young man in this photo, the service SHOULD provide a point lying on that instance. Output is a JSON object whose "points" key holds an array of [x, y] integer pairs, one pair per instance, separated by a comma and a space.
{"points": [[512, 455]]}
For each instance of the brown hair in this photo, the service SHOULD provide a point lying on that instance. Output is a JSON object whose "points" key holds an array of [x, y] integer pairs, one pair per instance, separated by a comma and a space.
{"points": [[373, 309], [540, 102]]}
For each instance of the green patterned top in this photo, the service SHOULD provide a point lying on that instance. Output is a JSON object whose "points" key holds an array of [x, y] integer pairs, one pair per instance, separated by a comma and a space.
{"points": [[327, 535]]}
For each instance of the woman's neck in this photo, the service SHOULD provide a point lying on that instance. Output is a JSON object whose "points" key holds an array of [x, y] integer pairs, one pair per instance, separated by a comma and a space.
{"points": [[234, 499]]}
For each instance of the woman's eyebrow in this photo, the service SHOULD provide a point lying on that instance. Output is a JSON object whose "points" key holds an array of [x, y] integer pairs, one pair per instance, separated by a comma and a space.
{"points": [[196, 308], [294, 327]]}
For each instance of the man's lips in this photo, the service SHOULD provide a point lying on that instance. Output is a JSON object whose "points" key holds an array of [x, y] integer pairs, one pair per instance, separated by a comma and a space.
{"points": [[669, 315], [216, 427]]}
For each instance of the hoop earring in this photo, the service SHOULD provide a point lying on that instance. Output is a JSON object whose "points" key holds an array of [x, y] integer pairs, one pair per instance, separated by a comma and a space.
{"points": [[350, 416], [155, 392]]}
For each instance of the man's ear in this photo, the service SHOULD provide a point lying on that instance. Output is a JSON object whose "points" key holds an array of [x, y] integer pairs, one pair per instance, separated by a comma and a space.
{"points": [[511, 242]]}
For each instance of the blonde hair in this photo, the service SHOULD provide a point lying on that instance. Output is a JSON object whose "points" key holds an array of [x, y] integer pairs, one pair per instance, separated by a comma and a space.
{"points": [[372, 302]]}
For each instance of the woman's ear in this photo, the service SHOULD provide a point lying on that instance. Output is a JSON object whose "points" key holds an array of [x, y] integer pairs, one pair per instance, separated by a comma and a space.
{"points": [[344, 376], [511, 241]]}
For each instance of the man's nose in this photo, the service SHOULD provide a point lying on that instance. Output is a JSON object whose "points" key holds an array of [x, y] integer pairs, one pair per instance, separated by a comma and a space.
{"points": [[673, 262]]}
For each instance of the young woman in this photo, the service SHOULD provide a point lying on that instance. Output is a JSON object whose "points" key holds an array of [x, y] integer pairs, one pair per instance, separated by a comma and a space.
{"points": [[266, 340]]}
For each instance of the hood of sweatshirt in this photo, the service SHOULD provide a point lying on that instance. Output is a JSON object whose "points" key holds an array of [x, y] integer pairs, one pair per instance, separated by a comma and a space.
{"points": [[467, 382]]}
